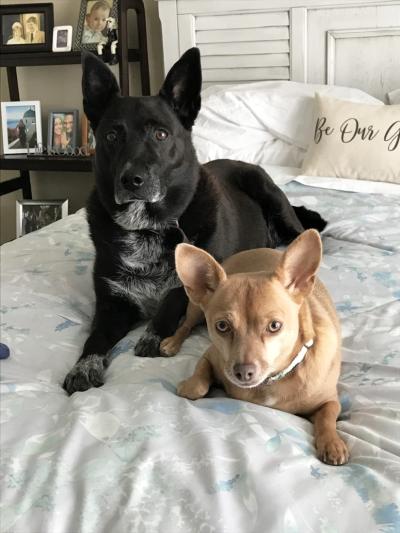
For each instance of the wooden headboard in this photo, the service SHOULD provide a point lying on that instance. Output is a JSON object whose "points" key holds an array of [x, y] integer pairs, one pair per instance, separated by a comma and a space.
{"points": [[341, 42]]}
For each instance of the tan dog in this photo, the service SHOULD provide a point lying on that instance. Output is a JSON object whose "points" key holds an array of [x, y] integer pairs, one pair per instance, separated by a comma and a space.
{"points": [[274, 331]]}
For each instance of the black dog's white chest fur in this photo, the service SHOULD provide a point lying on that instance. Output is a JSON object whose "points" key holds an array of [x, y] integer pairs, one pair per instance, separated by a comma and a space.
{"points": [[144, 269]]}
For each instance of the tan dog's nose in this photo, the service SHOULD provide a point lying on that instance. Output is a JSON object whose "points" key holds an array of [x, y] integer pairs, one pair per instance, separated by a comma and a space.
{"points": [[244, 372]]}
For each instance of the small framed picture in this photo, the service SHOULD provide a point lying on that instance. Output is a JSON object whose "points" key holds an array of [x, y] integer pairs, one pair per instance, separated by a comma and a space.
{"points": [[92, 23], [36, 214], [62, 38], [26, 27], [63, 130], [88, 138], [21, 125]]}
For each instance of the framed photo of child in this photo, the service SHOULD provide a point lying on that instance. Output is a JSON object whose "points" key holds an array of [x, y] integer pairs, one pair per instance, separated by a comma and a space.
{"points": [[92, 23], [26, 27]]}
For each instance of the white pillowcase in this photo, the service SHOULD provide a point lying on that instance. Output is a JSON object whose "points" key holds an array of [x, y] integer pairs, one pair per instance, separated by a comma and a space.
{"points": [[354, 140], [265, 123], [394, 97], [269, 124]]}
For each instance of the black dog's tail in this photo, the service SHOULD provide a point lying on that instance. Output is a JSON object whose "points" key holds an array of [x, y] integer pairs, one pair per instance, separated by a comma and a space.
{"points": [[310, 219]]}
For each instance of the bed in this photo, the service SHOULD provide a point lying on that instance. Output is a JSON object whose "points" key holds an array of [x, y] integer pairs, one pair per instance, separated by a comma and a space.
{"points": [[132, 456]]}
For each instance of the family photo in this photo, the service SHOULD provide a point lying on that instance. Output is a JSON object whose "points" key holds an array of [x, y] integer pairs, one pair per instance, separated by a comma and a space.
{"points": [[23, 28], [21, 126]]}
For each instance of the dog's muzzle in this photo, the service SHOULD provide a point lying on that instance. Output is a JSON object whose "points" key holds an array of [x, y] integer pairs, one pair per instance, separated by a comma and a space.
{"points": [[134, 185]]}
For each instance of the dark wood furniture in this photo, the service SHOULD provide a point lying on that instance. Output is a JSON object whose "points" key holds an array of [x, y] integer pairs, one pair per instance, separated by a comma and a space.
{"points": [[23, 163]]}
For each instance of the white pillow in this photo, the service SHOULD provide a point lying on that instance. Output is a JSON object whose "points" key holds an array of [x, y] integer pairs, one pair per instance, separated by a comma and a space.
{"points": [[354, 140], [394, 97], [266, 123]]}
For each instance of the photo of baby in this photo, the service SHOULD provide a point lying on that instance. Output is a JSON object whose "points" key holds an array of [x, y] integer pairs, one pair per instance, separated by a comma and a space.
{"points": [[97, 12]]}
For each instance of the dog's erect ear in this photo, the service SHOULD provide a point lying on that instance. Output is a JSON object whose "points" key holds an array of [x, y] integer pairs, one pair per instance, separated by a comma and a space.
{"points": [[199, 272], [182, 86], [299, 264], [98, 86]]}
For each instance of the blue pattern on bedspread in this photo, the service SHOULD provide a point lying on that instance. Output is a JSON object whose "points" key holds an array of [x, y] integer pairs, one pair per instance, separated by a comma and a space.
{"points": [[134, 457]]}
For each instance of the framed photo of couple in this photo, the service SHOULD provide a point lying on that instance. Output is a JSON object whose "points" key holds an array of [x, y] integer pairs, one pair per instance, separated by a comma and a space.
{"points": [[26, 27], [63, 131]]}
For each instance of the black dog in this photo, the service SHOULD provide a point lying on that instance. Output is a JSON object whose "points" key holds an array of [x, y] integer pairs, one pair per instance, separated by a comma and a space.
{"points": [[151, 193]]}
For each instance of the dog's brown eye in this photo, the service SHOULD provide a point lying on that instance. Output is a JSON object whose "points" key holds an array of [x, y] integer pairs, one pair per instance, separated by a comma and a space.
{"points": [[222, 326], [111, 136], [274, 326], [161, 134]]}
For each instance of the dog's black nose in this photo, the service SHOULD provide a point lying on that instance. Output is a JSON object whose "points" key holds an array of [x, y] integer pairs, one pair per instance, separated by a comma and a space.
{"points": [[244, 372], [130, 182]]}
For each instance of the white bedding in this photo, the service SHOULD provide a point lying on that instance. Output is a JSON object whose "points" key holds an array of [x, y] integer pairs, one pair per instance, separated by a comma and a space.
{"points": [[270, 123], [134, 457]]}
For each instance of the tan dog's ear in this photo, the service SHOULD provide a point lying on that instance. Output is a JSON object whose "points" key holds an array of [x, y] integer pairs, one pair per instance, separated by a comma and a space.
{"points": [[199, 272], [299, 264]]}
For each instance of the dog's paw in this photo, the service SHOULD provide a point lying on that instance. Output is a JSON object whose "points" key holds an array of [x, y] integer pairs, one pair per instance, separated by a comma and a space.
{"points": [[192, 389], [148, 345], [170, 346], [86, 373], [332, 451]]}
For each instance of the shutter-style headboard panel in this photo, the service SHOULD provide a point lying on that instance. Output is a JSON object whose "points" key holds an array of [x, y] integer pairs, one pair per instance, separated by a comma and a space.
{"points": [[244, 47], [346, 42]]}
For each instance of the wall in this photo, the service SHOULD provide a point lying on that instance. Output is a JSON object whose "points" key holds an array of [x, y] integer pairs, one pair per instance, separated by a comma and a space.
{"points": [[59, 87]]}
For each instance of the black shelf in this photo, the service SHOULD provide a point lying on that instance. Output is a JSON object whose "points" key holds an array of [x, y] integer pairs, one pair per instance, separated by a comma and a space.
{"points": [[35, 59], [49, 163]]}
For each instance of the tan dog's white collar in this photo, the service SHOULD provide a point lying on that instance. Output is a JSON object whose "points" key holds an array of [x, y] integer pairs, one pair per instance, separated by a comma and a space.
{"points": [[295, 362]]}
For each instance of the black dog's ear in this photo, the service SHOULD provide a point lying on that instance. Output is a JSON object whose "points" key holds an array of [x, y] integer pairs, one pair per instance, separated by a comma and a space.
{"points": [[98, 86], [182, 86]]}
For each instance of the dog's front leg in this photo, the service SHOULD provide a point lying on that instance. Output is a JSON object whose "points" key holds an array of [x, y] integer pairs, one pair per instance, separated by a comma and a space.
{"points": [[112, 321], [330, 447], [199, 384], [163, 324]]}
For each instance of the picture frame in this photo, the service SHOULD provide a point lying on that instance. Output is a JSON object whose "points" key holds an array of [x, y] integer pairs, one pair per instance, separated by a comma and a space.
{"points": [[62, 39], [21, 126], [63, 128], [26, 27], [36, 214], [91, 31], [88, 138]]}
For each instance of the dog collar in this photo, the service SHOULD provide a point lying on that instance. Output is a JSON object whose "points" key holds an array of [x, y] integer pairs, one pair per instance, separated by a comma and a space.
{"points": [[295, 362]]}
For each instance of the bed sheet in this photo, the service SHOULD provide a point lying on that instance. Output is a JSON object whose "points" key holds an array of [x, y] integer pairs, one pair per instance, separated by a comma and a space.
{"points": [[134, 457]]}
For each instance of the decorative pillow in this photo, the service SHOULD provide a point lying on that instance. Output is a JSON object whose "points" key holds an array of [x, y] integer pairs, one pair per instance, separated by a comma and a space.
{"points": [[352, 140]]}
